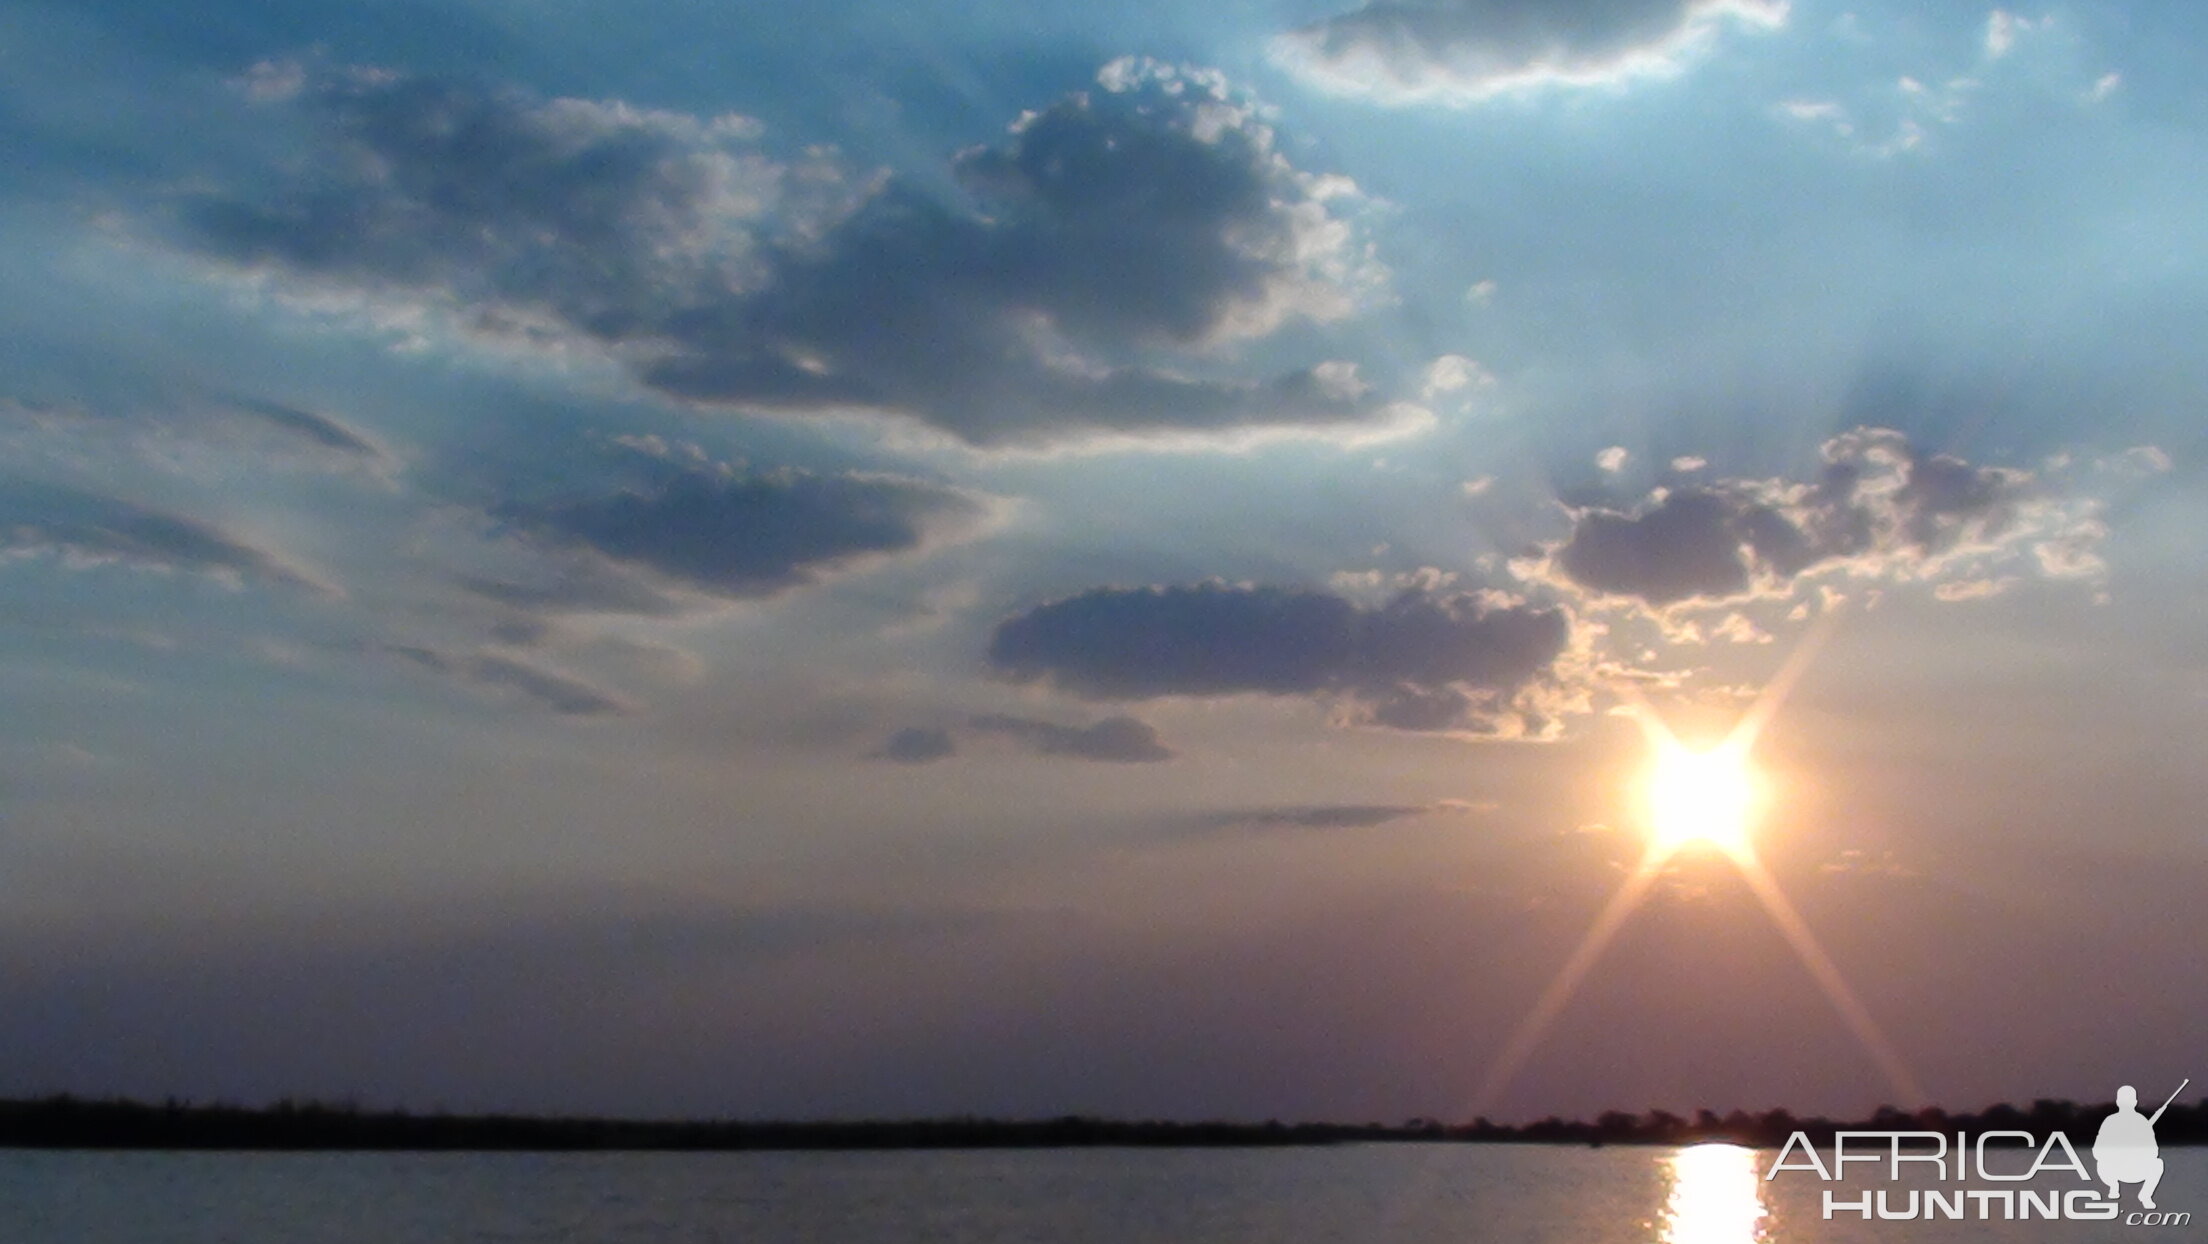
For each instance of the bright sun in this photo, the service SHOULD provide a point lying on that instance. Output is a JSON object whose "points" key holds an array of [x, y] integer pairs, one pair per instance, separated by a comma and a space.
{"points": [[1701, 796]]}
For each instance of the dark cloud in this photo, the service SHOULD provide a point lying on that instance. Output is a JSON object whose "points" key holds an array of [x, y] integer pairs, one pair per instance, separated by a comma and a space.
{"points": [[489, 671], [322, 430], [1123, 740], [1472, 49], [918, 745], [1152, 215], [728, 534], [86, 528], [569, 697], [1880, 507], [583, 212], [1422, 661], [1318, 816], [1691, 543]]}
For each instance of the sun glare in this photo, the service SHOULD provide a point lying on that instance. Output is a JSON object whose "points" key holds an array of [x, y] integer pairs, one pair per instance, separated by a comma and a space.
{"points": [[1706, 796]]}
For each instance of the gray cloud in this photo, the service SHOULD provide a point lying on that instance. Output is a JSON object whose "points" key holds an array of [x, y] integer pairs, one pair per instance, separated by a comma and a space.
{"points": [[1317, 816], [1467, 50], [1153, 215], [577, 584], [918, 745], [727, 534], [584, 212], [1879, 508], [89, 529], [1691, 543], [323, 430], [563, 694], [192, 434], [1123, 740], [1422, 661]]}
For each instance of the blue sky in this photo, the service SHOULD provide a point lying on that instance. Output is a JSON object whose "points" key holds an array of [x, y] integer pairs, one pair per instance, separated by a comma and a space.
{"points": [[678, 558]]}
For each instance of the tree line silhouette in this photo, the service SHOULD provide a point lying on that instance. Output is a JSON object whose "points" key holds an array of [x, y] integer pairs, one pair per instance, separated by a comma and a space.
{"points": [[66, 1122]]}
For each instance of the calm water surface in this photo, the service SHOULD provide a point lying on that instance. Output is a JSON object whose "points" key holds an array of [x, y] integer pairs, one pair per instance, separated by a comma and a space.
{"points": [[1383, 1193]]}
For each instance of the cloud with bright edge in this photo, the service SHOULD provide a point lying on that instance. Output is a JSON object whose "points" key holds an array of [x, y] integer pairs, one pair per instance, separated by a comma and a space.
{"points": [[1425, 660], [1468, 51], [1102, 252], [1880, 508]]}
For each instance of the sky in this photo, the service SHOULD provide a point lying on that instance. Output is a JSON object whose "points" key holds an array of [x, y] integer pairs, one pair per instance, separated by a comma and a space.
{"points": [[911, 558]]}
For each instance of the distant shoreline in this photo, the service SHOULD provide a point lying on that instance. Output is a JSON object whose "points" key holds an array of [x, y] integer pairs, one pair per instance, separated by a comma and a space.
{"points": [[66, 1122]]}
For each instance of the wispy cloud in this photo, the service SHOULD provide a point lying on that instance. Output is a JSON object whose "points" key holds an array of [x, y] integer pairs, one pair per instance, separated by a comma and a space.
{"points": [[83, 529]]}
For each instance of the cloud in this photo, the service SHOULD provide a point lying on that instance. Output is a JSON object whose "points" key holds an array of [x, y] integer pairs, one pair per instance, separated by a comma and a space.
{"points": [[1076, 286], [1122, 740], [579, 584], [323, 431], [1117, 740], [196, 436], [87, 529], [1691, 543], [1317, 816], [2002, 28], [721, 533], [1422, 661], [1467, 51], [918, 745], [563, 694], [1880, 508]]}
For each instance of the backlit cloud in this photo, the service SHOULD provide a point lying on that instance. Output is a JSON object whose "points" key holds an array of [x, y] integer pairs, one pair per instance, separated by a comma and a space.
{"points": [[1422, 661], [1465, 51], [1080, 285], [1879, 508]]}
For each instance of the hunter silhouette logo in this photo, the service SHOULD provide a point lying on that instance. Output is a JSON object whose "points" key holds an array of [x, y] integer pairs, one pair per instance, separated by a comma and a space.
{"points": [[2125, 1150]]}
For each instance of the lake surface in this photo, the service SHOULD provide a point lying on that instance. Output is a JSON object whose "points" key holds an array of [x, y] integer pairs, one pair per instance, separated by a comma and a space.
{"points": [[1416, 1194]]}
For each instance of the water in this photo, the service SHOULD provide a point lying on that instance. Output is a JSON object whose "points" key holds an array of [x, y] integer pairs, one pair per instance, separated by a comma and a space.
{"points": [[1464, 1194]]}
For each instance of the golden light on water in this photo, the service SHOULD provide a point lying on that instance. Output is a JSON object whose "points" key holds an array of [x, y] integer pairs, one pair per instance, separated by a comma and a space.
{"points": [[1716, 1197]]}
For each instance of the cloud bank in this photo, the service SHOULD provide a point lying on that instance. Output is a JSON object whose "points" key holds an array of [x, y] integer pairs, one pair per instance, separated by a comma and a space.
{"points": [[1078, 285]]}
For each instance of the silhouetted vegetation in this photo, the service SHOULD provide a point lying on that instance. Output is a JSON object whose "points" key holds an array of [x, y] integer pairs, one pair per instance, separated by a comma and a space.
{"points": [[72, 1123]]}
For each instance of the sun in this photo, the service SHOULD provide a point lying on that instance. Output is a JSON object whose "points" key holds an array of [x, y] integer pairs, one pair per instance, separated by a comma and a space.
{"points": [[1700, 796]]}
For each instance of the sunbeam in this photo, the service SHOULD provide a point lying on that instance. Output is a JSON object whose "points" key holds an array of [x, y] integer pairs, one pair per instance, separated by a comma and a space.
{"points": [[1704, 797]]}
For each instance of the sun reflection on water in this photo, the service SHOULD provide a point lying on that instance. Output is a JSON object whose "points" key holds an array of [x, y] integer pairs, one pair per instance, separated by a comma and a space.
{"points": [[1716, 1197]]}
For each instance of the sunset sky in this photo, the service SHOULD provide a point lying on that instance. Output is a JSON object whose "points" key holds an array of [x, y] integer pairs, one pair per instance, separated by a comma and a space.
{"points": [[705, 558]]}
